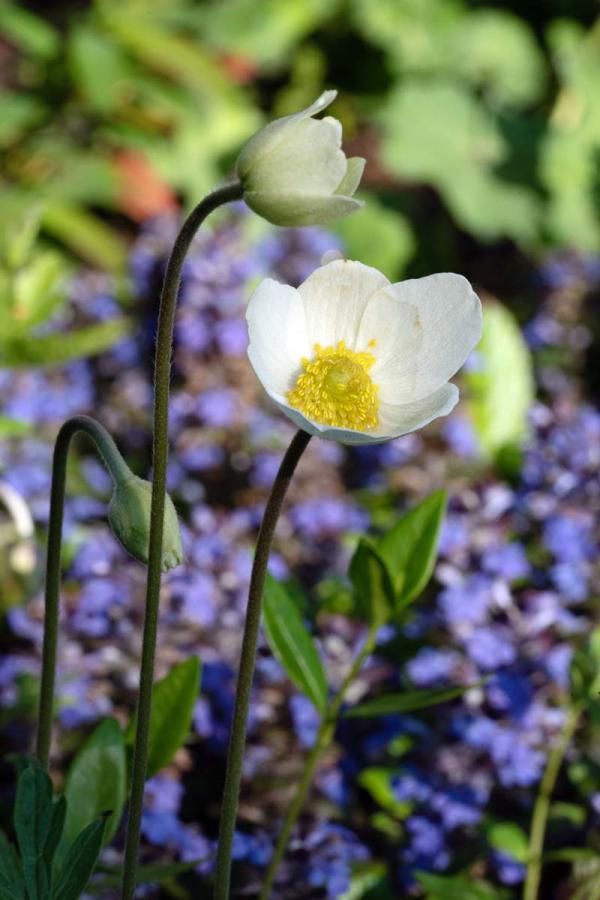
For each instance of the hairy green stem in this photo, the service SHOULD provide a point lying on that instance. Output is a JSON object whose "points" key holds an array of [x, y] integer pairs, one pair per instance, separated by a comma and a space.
{"points": [[323, 742], [160, 453], [237, 740], [542, 804], [119, 471]]}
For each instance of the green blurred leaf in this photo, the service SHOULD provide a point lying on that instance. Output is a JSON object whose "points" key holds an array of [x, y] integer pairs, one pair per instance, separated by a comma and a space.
{"points": [[20, 112], [85, 235], [408, 701], [265, 31], [53, 349], [378, 782], [79, 862], [100, 69], [37, 291], [153, 874], [378, 236], [409, 548], [501, 389], [456, 887], [173, 701], [420, 117], [498, 51], [96, 783], [508, 838], [292, 644], [29, 32], [365, 877], [13, 427], [374, 595]]}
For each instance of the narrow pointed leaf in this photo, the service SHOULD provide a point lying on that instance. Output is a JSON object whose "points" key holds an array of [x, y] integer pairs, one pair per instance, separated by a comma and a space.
{"points": [[32, 821], [57, 824], [409, 701], [11, 875], [96, 782], [374, 594], [173, 701], [409, 548], [79, 863], [292, 644]]}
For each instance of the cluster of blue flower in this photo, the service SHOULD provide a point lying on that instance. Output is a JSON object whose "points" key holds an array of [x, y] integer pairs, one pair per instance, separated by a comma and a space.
{"points": [[515, 569]]}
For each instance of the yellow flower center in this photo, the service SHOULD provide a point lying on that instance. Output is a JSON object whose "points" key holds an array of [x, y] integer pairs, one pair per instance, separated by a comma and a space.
{"points": [[335, 388]]}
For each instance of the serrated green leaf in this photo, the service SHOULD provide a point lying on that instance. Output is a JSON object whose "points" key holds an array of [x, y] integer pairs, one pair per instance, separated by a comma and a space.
{"points": [[409, 548], [409, 701], [509, 838], [374, 595], [54, 349], [501, 389], [96, 782], [173, 701], [79, 862], [292, 644]]}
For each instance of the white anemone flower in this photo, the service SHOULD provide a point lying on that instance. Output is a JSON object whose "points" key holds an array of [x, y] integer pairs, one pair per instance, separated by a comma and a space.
{"points": [[294, 171], [350, 357]]}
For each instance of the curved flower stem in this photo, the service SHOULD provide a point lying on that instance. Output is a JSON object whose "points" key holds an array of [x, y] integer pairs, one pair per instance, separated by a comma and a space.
{"points": [[237, 740], [323, 742], [542, 804], [160, 453], [119, 471]]}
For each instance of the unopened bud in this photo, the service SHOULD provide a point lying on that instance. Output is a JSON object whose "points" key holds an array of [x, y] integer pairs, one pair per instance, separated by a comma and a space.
{"points": [[129, 517]]}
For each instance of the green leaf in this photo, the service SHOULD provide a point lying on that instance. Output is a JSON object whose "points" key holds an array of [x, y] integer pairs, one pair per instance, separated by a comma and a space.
{"points": [[378, 236], [13, 428], [36, 291], [173, 701], [10, 869], [292, 644], [501, 390], [85, 234], [365, 877], [20, 112], [153, 874], [373, 588], [456, 887], [30, 33], [508, 838], [33, 815], [79, 862], [378, 782], [96, 782], [57, 824], [409, 548], [409, 701], [54, 349]]}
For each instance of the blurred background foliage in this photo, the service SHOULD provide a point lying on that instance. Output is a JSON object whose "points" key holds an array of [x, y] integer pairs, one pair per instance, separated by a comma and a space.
{"points": [[479, 120]]}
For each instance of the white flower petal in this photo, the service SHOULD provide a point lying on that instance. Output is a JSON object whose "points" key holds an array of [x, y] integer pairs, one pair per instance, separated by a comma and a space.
{"points": [[402, 418], [424, 328], [277, 335], [265, 140], [351, 179], [293, 209], [335, 297]]}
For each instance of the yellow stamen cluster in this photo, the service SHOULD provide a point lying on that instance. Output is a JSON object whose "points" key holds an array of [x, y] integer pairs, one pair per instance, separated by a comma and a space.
{"points": [[335, 388]]}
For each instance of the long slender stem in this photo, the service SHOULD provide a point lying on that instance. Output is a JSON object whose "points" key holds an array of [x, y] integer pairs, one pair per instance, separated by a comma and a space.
{"points": [[542, 805], [160, 453], [324, 738], [118, 470], [237, 740]]}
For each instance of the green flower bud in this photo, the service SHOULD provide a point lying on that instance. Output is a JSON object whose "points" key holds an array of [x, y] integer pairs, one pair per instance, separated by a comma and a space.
{"points": [[294, 171], [129, 517]]}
